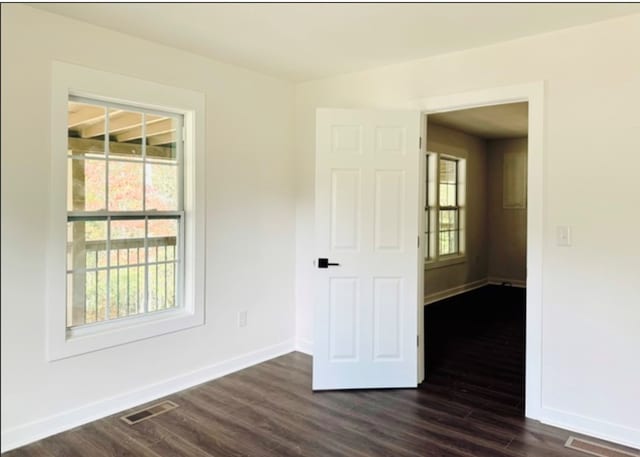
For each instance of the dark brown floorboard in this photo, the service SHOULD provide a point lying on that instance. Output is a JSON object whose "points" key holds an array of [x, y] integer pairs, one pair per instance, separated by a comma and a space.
{"points": [[475, 346], [470, 405]]}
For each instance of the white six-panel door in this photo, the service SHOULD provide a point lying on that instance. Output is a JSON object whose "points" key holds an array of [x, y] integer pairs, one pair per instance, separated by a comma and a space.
{"points": [[367, 220]]}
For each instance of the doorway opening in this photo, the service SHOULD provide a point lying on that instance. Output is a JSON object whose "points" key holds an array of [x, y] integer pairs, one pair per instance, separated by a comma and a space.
{"points": [[476, 253]]}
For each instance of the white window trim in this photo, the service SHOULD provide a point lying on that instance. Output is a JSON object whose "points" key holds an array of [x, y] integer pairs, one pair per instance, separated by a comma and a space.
{"points": [[438, 261], [80, 81]]}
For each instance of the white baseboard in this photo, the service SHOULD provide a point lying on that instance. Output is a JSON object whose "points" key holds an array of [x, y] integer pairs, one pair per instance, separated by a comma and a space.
{"points": [[33, 431], [591, 427], [441, 295], [305, 346], [496, 280]]}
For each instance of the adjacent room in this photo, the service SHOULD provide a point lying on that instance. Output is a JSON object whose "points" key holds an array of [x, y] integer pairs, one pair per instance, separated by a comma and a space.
{"points": [[475, 255], [347, 229]]}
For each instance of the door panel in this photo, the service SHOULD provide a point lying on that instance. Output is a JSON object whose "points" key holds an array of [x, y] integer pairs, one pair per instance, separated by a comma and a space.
{"points": [[389, 208], [343, 328], [346, 139], [387, 311], [345, 209], [391, 141]]}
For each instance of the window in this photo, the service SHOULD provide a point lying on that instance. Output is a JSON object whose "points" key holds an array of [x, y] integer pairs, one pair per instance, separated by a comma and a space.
{"points": [[124, 211], [448, 215], [444, 210], [126, 232]]}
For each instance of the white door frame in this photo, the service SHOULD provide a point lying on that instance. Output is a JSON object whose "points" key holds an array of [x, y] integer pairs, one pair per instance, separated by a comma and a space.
{"points": [[533, 93]]}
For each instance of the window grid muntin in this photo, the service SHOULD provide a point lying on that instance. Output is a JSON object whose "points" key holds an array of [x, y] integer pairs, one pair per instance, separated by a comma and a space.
{"points": [[108, 215]]}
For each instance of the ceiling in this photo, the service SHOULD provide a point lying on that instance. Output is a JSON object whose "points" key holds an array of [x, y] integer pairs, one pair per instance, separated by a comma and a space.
{"points": [[305, 41], [491, 122]]}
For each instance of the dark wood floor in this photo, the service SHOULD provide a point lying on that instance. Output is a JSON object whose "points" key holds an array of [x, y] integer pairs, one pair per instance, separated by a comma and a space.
{"points": [[475, 348], [471, 405]]}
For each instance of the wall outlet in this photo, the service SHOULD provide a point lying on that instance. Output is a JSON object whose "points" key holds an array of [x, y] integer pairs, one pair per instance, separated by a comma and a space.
{"points": [[242, 319]]}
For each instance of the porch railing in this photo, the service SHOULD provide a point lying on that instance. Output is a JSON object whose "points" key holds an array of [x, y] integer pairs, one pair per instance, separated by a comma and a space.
{"points": [[131, 278]]}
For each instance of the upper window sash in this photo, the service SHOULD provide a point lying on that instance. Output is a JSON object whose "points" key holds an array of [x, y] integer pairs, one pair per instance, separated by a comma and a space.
{"points": [[144, 111]]}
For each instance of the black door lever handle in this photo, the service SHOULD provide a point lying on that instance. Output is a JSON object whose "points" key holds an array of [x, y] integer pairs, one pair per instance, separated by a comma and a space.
{"points": [[324, 263]]}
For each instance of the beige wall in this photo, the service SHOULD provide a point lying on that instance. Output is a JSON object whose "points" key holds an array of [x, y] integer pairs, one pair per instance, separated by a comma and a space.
{"points": [[496, 237], [507, 227], [250, 223], [590, 291], [444, 140]]}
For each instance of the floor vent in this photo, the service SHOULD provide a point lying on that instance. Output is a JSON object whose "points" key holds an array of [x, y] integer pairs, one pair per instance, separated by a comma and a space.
{"points": [[600, 450], [148, 413]]}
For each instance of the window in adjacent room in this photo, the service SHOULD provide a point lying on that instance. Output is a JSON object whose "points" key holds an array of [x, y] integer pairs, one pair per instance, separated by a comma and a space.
{"points": [[444, 208]]}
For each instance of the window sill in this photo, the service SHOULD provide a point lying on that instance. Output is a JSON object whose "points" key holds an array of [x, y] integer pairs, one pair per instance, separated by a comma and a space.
{"points": [[95, 337], [444, 262], [122, 323]]}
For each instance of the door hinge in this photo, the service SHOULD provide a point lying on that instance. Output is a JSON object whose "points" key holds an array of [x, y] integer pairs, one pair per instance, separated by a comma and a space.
{"points": [[418, 340], [418, 241], [420, 143]]}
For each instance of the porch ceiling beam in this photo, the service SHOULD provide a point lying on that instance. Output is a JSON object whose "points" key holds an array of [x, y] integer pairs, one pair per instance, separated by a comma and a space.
{"points": [[85, 115], [152, 128], [165, 138]]}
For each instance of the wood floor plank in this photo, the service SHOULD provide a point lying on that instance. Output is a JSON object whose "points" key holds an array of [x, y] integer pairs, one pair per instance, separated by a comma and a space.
{"points": [[71, 444], [113, 443], [237, 432], [31, 450], [178, 448]]}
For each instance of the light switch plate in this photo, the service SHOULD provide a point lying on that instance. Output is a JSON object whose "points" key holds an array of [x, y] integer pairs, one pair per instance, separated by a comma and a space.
{"points": [[242, 319], [563, 235]]}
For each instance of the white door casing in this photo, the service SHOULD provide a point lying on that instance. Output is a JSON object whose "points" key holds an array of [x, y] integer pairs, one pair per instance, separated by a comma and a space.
{"points": [[534, 94], [367, 220]]}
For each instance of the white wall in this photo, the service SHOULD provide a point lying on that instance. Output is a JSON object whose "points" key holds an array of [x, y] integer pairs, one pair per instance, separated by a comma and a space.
{"points": [[507, 227], [444, 140], [250, 212], [591, 291]]}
